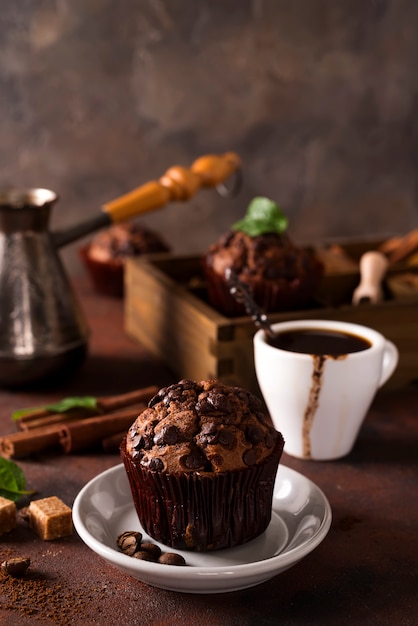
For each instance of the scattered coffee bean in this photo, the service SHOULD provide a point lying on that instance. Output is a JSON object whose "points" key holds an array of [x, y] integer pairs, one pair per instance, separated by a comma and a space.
{"points": [[15, 567], [171, 558], [143, 555], [146, 550], [129, 542], [152, 548]]}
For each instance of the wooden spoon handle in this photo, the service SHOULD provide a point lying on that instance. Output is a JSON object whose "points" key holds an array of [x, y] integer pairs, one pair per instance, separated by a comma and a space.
{"points": [[373, 266], [177, 184]]}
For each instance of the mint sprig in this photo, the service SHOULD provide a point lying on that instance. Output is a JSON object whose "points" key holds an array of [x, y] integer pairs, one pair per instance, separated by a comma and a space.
{"points": [[85, 402], [12, 481], [263, 216]]}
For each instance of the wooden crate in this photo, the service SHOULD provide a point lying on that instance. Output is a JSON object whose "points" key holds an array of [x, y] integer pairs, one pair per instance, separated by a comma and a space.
{"points": [[166, 311]]}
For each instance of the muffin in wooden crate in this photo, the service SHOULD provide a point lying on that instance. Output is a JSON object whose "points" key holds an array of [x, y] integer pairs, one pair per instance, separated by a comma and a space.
{"points": [[280, 275]]}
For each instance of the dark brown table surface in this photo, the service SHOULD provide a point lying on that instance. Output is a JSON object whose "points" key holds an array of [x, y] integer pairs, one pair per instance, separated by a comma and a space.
{"points": [[364, 572]]}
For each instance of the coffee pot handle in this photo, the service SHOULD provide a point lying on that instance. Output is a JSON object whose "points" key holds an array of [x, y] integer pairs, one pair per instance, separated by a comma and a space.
{"points": [[177, 184]]}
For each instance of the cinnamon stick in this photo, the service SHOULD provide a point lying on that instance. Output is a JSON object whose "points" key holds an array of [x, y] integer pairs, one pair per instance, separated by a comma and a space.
{"points": [[112, 403], [68, 416], [71, 436], [25, 443], [399, 248], [106, 404], [83, 434], [53, 418]]}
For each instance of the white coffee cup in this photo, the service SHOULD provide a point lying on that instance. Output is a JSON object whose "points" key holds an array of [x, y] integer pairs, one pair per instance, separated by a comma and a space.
{"points": [[319, 402]]}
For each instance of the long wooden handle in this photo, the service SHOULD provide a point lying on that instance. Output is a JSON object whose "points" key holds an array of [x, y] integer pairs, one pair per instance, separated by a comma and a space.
{"points": [[177, 184]]}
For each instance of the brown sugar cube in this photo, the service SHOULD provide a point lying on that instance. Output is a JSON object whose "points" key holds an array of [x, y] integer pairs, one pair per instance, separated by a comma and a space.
{"points": [[7, 515], [50, 518]]}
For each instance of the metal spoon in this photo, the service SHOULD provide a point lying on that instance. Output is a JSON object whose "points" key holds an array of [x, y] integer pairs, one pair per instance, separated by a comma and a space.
{"points": [[242, 294]]}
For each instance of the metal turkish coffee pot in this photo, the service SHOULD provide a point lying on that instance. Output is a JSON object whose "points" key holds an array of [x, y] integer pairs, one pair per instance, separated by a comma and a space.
{"points": [[43, 332]]}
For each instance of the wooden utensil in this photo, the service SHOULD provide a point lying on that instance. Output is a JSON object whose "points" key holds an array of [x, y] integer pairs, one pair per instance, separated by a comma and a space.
{"points": [[373, 266]]}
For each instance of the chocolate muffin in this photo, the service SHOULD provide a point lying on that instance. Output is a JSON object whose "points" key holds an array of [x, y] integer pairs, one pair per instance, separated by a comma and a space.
{"points": [[280, 275], [105, 256], [201, 462]]}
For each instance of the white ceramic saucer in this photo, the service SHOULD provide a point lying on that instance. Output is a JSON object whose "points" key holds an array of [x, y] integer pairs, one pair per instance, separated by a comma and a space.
{"points": [[301, 518]]}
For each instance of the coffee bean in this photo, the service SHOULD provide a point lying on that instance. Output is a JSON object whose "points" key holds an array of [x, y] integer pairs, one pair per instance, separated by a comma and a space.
{"points": [[15, 567], [171, 558], [147, 551], [152, 548], [129, 541], [143, 555]]}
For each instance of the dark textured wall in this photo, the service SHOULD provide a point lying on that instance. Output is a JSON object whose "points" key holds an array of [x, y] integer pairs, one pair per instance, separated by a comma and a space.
{"points": [[319, 98]]}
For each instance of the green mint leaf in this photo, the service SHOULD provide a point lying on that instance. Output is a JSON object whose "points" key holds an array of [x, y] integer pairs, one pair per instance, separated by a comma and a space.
{"points": [[263, 216], [20, 412], [86, 402], [12, 480]]}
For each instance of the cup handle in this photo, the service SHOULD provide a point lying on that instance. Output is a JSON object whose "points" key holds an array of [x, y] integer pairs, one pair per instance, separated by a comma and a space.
{"points": [[390, 361]]}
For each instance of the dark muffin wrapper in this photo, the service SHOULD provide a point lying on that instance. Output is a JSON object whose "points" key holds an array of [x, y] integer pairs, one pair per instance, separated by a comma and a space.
{"points": [[270, 296], [107, 277], [204, 511]]}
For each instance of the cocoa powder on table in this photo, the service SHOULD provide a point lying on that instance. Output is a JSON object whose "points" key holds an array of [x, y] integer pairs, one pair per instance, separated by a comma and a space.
{"points": [[42, 599]]}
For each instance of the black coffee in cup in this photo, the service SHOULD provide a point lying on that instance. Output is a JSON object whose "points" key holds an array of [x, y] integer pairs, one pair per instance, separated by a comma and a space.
{"points": [[319, 341]]}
